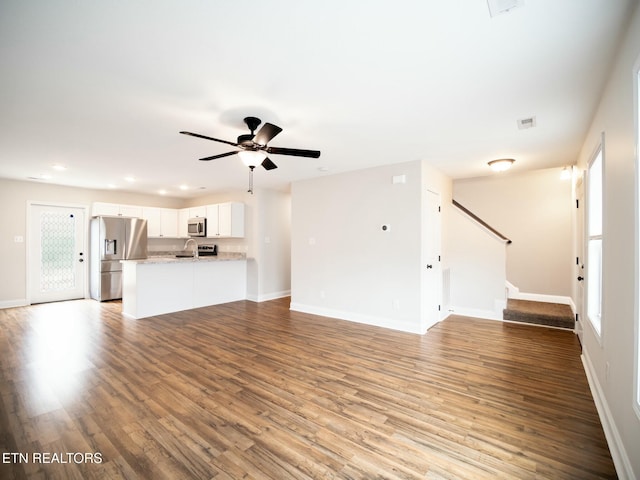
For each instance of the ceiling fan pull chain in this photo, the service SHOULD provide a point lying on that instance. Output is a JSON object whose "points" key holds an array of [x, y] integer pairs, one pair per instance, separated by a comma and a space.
{"points": [[251, 179]]}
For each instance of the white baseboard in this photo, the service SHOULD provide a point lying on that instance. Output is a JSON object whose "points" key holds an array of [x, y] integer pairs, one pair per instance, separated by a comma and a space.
{"points": [[616, 447], [265, 297], [495, 314], [21, 302], [390, 323], [476, 313], [515, 293]]}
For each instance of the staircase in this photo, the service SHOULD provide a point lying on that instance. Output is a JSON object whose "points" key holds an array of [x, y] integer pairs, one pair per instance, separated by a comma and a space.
{"points": [[539, 313]]}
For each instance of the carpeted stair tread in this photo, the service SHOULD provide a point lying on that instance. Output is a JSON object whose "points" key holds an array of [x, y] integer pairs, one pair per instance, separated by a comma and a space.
{"points": [[539, 313]]}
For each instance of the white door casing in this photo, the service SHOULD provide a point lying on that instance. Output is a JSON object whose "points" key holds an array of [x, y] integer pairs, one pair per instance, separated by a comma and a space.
{"points": [[432, 272], [579, 245]]}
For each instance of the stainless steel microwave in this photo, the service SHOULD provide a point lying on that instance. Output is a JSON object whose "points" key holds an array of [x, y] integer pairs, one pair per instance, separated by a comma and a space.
{"points": [[197, 227]]}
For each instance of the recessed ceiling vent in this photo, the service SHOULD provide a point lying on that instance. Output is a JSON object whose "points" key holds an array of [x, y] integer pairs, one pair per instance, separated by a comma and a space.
{"points": [[528, 122], [497, 7]]}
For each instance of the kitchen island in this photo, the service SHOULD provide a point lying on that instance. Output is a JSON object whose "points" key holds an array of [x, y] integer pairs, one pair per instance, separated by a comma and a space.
{"points": [[159, 285]]}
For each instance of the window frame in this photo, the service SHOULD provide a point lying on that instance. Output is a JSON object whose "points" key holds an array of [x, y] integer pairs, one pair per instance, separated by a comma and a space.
{"points": [[636, 108], [598, 330]]}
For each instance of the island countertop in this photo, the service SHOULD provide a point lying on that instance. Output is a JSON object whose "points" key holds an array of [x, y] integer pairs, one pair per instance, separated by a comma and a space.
{"points": [[221, 257]]}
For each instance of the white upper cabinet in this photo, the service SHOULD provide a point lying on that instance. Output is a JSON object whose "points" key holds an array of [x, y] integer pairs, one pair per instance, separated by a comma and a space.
{"points": [[161, 222], [197, 211], [212, 221], [169, 222], [152, 216], [225, 220], [100, 208], [183, 218]]}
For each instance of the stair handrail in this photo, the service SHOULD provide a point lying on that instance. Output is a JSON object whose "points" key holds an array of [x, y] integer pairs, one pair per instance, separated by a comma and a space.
{"points": [[480, 221]]}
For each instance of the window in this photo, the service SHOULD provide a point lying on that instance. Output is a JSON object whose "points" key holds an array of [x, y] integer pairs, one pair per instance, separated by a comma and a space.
{"points": [[594, 241], [637, 252]]}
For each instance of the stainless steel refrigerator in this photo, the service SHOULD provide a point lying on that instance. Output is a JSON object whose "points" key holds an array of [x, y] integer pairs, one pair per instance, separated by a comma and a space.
{"points": [[114, 239]]}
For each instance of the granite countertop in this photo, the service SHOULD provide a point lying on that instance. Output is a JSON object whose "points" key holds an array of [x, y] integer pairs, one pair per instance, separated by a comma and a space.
{"points": [[168, 258]]}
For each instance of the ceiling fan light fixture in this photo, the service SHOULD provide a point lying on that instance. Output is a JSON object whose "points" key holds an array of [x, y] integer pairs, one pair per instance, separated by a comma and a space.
{"points": [[501, 164], [252, 158]]}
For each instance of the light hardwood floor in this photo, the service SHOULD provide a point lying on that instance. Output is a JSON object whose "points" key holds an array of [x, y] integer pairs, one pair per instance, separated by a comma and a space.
{"points": [[247, 390]]}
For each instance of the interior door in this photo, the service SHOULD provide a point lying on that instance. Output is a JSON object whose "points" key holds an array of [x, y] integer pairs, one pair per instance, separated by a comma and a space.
{"points": [[432, 274], [579, 266], [57, 267]]}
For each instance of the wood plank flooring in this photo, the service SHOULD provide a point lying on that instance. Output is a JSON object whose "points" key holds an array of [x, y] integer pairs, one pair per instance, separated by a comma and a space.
{"points": [[246, 390]]}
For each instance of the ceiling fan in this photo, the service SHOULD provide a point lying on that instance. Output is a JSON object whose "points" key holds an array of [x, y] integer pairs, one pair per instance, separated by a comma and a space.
{"points": [[253, 148]]}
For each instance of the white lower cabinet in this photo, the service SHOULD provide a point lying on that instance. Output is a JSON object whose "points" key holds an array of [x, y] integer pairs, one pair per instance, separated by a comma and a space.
{"points": [[153, 288]]}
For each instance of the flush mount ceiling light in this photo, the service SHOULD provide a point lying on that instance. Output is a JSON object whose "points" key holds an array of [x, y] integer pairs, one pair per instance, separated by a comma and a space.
{"points": [[497, 7], [501, 164]]}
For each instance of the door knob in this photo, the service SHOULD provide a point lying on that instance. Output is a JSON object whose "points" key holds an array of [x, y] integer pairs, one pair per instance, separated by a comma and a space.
{"points": [[81, 260], [580, 279], [429, 266]]}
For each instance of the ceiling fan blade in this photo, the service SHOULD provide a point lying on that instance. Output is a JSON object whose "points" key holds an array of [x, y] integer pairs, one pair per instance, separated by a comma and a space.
{"points": [[213, 157], [266, 133], [293, 151], [268, 164], [209, 138]]}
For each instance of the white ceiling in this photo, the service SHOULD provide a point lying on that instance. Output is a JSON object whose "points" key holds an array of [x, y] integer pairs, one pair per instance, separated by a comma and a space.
{"points": [[104, 87]]}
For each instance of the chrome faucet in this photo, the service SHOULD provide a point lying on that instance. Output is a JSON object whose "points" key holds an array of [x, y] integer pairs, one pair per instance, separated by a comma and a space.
{"points": [[195, 246]]}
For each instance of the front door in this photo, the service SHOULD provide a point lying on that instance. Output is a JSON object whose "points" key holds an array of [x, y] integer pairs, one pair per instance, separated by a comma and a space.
{"points": [[57, 253]]}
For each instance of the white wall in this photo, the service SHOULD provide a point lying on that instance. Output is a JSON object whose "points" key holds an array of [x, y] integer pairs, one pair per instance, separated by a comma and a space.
{"points": [[533, 209], [271, 245], [267, 214], [14, 196], [343, 264], [477, 268], [267, 241], [613, 392]]}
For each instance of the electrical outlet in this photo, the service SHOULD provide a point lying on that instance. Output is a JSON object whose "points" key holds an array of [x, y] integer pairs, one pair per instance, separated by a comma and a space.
{"points": [[18, 239]]}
